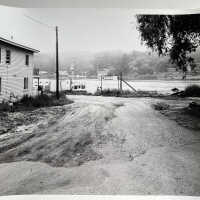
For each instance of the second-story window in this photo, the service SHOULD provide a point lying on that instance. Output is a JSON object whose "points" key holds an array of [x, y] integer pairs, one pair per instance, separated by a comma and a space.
{"points": [[8, 56], [27, 60]]}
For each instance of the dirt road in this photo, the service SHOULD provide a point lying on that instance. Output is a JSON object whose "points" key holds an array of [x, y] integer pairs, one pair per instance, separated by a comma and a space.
{"points": [[102, 145]]}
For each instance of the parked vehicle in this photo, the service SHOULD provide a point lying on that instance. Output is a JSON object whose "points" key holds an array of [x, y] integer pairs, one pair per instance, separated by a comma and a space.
{"points": [[78, 87]]}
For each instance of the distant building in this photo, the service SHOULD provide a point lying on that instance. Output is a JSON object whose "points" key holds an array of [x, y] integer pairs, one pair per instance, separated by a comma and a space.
{"points": [[16, 69], [105, 75], [36, 78], [109, 78], [102, 73], [63, 73], [43, 72]]}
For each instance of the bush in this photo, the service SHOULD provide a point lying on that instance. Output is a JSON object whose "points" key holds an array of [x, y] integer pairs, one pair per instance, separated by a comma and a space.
{"points": [[110, 92], [126, 93], [161, 106], [175, 90], [37, 101], [113, 92], [193, 109], [192, 91], [4, 107], [42, 100]]}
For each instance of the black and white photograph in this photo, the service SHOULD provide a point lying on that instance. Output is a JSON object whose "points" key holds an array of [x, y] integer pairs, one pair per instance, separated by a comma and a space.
{"points": [[99, 101]]}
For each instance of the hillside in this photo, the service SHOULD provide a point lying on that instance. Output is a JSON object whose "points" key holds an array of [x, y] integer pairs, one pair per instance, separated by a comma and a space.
{"points": [[134, 64]]}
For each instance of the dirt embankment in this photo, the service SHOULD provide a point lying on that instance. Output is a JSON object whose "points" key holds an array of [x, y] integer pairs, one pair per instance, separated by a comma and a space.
{"points": [[11, 121], [181, 111], [49, 136]]}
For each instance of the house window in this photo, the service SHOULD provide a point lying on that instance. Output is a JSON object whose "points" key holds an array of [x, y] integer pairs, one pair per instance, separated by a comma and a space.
{"points": [[27, 60], [25, 83], [8, 56]]}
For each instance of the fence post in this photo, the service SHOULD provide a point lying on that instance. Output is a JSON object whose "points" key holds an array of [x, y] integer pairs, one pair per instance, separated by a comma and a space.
{"points": [[101, 84], [121, 82]]}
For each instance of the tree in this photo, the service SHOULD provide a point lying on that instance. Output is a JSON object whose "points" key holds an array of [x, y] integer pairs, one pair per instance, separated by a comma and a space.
{"points": [[115, 62], [174, 35], [121, 65]]}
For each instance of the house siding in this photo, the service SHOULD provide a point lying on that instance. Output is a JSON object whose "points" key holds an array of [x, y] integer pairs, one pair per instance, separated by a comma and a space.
{"points": [[12, 75]]}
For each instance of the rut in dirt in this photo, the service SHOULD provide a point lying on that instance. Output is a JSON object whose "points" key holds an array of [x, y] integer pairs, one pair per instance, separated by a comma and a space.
{"points": [[66, 142]]}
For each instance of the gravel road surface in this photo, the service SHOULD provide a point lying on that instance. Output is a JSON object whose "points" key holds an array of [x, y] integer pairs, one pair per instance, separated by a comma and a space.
{"points": [[102, 145]]}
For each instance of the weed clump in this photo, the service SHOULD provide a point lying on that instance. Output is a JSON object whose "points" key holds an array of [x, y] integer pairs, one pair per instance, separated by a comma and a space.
{"points": [[161, 106], [32, 102], [43, 100], [192, 91]]}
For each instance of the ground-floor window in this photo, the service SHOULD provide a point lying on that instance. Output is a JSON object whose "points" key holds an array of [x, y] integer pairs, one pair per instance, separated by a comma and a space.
{"points": [[0, 54], [25, 82], [27, 60]]}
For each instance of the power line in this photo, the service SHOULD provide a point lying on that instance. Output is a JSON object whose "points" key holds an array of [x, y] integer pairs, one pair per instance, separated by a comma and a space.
{"points": [[57, 62], [39, 22]]}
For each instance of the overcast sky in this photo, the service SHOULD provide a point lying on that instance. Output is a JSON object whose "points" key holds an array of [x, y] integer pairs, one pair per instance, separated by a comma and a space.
{"points": [[88, 30]]}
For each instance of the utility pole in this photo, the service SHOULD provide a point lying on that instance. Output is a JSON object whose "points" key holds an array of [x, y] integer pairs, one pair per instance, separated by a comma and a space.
{"points": [[118, 78], [57, 62], [57, 66], [101, 83]]}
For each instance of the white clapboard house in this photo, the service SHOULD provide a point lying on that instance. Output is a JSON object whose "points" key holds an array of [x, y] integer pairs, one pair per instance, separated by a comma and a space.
{"points": [[16, 69]]}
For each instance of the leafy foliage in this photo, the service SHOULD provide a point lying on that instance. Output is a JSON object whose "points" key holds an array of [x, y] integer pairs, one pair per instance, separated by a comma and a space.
{"points": [[174, 35], [192, 91], [43, 100], [132, 64], [4, 106]]}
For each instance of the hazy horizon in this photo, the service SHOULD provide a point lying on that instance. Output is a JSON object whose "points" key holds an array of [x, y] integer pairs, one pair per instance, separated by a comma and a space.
{"points": [[80, 30]]}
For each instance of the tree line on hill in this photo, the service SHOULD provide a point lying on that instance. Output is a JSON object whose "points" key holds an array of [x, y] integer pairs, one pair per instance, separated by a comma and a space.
{"points": [[130, 64], [175, 39]]}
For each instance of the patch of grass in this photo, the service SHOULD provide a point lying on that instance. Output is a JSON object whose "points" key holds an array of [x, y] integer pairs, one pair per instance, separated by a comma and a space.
{"points": [[127, 93], [113, 92], [43, 100], [161, 106], [192, 91], [37, 101], [68, 92]]}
